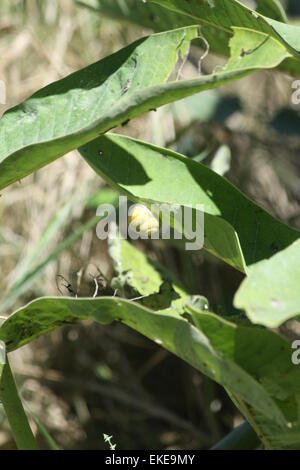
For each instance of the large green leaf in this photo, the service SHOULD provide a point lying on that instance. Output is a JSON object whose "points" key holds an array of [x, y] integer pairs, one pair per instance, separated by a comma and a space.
{"points": [[153, 16], [76, 109], [270, 295], [271, 9], [225, 15], [254, 364], [251, 50], [228, 14], [67, 113], [143, 14], [236, 230]]}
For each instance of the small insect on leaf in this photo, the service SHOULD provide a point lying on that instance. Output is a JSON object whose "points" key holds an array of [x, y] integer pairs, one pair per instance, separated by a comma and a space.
{"points": [[63, 285]]}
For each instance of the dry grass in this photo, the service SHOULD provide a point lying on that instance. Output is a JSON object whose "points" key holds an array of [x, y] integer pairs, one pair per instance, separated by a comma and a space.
{"points": [[40, 42]]}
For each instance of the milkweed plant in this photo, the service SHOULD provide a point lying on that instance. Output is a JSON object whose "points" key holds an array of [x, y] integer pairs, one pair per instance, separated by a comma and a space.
{"points": [[246, 353]]}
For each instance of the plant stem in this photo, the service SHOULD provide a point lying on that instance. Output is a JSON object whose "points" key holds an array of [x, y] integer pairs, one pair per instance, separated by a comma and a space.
{"points": [[241, 438], [43, 431], [15, 412]]}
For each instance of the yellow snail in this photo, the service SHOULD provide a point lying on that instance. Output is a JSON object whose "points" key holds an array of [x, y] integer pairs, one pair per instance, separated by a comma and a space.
{"points": [[141, 218]]}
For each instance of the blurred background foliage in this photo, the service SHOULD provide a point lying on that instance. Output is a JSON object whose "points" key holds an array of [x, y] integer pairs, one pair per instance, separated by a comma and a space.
{"points": [[84, 380]]}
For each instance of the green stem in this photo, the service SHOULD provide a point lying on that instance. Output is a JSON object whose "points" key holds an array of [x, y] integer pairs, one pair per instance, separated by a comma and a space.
{"points": [[241, 438], [15, 412]]}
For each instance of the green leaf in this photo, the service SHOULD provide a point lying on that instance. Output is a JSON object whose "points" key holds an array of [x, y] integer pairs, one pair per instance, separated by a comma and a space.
{"points": [[72, 111], [157, 287], [145, 15], [236, 230], [14, 411], [228, 14], [252, 50], [272, 9], [155, 17], [254, 364], [223, 16], [134, 267], [270, 295]]}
